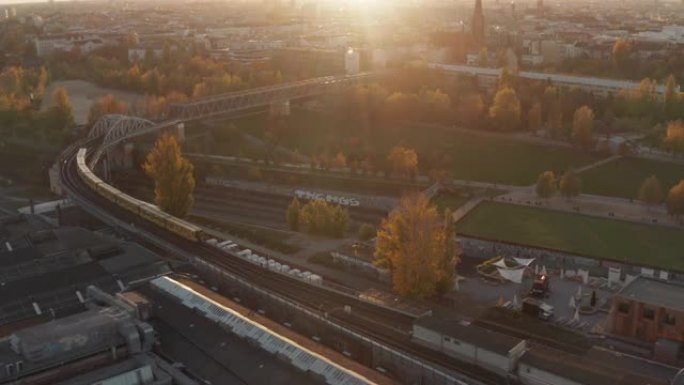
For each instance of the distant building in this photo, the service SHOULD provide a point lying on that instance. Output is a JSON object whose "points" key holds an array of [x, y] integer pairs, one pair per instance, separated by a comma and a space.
{"points": [[139, 53], [651, 310], [83, 42], [478, 24]]}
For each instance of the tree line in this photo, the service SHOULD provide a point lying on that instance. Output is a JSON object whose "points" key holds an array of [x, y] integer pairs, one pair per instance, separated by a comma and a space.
{"points": [[650, 191]]}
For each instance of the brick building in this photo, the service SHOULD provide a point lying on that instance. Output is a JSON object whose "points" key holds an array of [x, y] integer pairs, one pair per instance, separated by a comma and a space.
{"points": [[652, 311]]}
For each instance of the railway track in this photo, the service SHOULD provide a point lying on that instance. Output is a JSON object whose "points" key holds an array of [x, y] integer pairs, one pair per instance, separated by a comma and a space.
{"points": [[382, 324]]}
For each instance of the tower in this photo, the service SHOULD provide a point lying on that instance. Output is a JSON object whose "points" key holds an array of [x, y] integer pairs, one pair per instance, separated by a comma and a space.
{"points": [[477, 25]]}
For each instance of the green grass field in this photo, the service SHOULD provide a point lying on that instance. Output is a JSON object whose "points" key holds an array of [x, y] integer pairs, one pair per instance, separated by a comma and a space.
{"points": [[622, 178], [449, 201], [474, 157], [575, 233]]}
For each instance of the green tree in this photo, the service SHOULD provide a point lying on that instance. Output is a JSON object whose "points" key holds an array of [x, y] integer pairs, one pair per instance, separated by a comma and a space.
{"points": [[470, 109], [583, 127], [534, 117], [366, 232], [546, 185], [570, 184], [414, 245], [322, 218], [651, 191], [292, 215], [174, 182], [675, 199], [505, 111], [672, 101]]}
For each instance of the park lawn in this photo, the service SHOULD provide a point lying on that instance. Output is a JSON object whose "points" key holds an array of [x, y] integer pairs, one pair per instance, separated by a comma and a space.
{"points": [[623, 177], [449, 201], [474, 157], [601, 238]]}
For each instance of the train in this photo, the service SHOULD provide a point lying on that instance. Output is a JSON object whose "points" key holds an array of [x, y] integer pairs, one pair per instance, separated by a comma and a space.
{"points": [[146, 210], [183, 228]]}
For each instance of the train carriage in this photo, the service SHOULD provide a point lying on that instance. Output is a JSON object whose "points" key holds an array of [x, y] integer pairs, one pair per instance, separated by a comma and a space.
{"points": [[146, 210]]}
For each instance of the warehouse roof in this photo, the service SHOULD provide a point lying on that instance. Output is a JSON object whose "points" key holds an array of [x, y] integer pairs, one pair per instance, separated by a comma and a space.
{"points": [[581, 369], [484, 338], [655, 292]]}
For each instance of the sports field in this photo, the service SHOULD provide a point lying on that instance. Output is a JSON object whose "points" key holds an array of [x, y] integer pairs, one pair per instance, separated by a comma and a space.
{"points": [[623, 177], [473, 157], [574, 233]]}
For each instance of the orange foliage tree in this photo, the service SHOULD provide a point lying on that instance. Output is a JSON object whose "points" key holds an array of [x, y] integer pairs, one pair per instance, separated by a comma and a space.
{"points": [[418, 246]]}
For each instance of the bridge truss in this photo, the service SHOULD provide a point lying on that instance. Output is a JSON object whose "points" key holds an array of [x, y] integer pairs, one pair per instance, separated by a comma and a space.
{"points": [[257, 97]]}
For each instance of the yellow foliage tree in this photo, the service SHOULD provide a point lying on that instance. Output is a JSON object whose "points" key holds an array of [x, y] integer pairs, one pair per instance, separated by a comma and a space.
{"points": [[505, 110], [173, 177], [418, 247], [674, 137], [404, 161]]}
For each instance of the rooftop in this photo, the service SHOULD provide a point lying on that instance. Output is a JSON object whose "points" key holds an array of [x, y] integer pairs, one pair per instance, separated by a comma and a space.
{"points": [[488, 339], [582, 369], [655, 292]]}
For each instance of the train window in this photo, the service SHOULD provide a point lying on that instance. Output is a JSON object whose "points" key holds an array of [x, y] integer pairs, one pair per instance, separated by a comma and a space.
{"points": [[447, 339], [623, 308], [648, 313]]}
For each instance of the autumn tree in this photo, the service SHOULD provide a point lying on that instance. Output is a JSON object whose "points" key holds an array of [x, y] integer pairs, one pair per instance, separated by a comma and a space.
{"points": [[570, 184], [173, 177], [505, 110], [404, 161], [470, 109], [674, 137], [417, 246], [621, 51], [675, 199], [546, 185], [323, 218], [583, 127], [292, 214], [651, 191], [534, 117], [105, 105], [434, 105]]}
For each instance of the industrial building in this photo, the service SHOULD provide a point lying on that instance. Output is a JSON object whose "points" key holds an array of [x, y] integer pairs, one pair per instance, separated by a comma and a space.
{"points": [[103, 344], [45, 271]]}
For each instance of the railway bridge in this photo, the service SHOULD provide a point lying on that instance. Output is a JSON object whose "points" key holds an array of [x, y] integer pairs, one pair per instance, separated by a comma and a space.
{"points": [[117, 129]]}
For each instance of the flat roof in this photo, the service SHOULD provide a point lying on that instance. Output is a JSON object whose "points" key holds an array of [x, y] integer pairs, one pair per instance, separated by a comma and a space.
{"points": [[655, 292], [582, 369], [485, 338]]}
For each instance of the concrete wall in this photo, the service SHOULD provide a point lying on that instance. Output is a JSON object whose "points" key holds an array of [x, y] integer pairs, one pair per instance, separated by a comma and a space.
{"points": [[463, 350]]}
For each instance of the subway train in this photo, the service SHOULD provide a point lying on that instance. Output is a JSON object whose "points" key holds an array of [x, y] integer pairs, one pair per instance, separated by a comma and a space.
{"points": [[146, 210]]}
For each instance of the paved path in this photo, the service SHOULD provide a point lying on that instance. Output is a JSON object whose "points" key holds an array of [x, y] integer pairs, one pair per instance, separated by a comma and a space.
{"points": [[600, 206], [596, 164]]}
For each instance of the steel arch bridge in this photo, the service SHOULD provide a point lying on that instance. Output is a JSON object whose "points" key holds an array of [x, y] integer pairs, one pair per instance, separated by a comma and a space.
{"points": [[257, 97], [115, 129]]}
